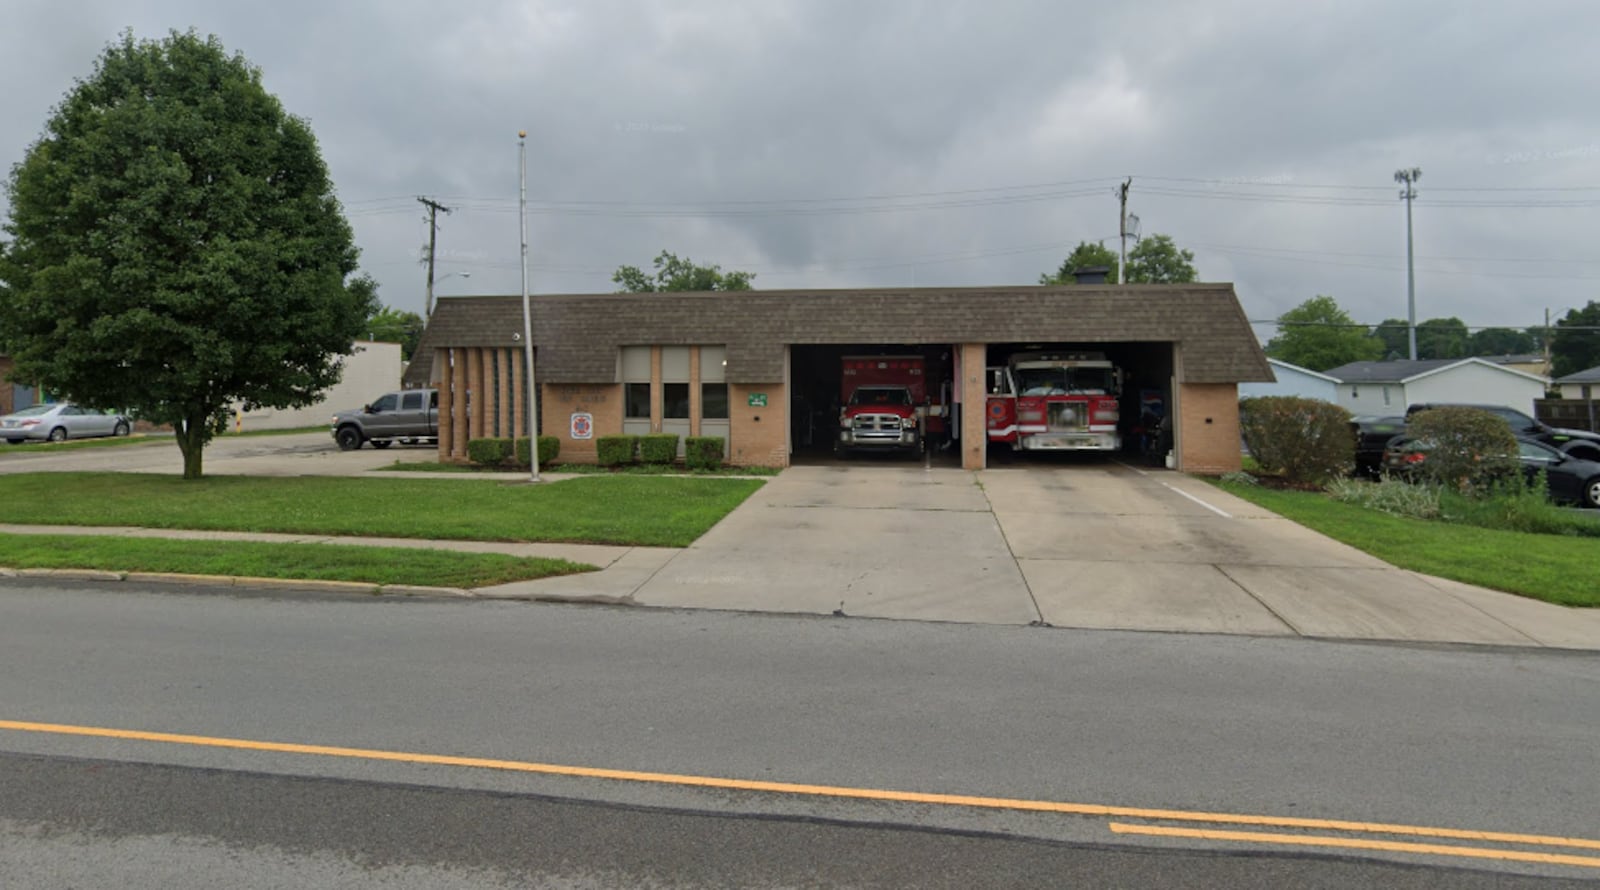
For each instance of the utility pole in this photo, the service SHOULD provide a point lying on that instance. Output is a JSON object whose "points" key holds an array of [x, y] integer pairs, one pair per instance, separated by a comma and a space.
{"points": [[1408, 178], [434, 208], [1122, 231]]}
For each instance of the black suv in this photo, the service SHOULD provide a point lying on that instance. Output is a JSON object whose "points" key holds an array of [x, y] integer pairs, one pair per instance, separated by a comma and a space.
{"points": [[1578, 443]]}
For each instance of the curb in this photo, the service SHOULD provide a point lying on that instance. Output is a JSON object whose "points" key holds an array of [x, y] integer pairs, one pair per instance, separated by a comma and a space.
{"points": [[365, 588]]}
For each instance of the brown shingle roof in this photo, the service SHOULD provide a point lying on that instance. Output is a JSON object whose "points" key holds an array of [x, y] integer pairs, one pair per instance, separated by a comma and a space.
{"points": [[577, 335]]}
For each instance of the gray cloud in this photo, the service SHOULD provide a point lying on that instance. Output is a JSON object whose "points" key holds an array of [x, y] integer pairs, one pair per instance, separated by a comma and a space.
{"points": [[682, 105]]}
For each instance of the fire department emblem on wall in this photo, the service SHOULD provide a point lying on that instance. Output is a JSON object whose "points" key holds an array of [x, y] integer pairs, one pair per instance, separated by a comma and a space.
{"points": [[582, 426]]}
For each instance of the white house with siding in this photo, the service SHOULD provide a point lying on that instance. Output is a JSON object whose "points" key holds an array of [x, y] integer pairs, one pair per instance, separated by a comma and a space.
{"points": [[1293, 380], [1386, 388]]}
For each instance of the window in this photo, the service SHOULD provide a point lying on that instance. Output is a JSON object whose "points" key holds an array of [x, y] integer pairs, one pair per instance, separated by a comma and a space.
{"points": [[713, 383], [386, 403], [714, 401], [637, 399], [675, 401], [433, 399], [1386, 395], [411, 401]]}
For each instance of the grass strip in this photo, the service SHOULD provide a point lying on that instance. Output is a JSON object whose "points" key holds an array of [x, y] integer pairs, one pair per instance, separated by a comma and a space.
{"points": [[578, 469], [142, 439], [1556, 569], [321, 562], [653, 511]]}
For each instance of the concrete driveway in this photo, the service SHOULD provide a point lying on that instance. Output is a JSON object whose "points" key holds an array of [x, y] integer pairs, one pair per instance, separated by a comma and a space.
{"points": [[1086, 544]]}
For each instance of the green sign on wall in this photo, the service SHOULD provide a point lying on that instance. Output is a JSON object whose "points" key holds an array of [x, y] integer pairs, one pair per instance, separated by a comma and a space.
{"points": [[758, 400]]}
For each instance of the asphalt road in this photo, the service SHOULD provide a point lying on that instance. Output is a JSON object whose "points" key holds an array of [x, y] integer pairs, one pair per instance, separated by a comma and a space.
{"points": [[487, 705]]}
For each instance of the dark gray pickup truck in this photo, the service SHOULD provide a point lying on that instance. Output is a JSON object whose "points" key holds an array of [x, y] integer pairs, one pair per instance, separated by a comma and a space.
{"points": [[408, 416]]}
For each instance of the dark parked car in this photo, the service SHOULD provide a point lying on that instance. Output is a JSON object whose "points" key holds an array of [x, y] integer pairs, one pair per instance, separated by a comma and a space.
{"points": [[1569, 479], [1372, 436], [1578, 443]]}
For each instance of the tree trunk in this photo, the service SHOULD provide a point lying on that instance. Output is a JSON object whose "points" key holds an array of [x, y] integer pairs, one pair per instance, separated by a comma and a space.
{"points": [[191, 436]]}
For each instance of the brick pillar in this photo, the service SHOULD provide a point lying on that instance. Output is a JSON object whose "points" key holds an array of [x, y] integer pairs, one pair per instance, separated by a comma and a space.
{"points": [[463, 404], [447, 380], [974, 433], [502, 379], [519, 399], [474, 393], [694, 390]]}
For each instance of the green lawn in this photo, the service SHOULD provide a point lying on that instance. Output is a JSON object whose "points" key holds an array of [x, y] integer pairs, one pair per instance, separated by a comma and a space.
{"points": [[637, 510], [429, 466], [1554, 568], [324, 562]]}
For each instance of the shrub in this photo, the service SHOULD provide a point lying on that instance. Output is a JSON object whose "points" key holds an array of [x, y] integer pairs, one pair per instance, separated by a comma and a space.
{"points": [[488, 452], [1393, 496], [614, 451], [1308, 441], [1240, 478], [658, 448], [703, 452], [1467, 448], [549, 449]]}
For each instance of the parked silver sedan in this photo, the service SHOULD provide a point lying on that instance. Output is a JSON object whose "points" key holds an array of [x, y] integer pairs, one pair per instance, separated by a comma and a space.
{"points": [[59, 422]]}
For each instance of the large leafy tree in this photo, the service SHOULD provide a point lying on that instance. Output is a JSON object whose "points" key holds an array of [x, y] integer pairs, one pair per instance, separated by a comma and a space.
{"points": [[673, 274], [1442, 338], [1395, 338], [1087, 255], [1319, 335], [176, 246], [1500, 341], [1156, 260], [1575, 341], [390, 325]]}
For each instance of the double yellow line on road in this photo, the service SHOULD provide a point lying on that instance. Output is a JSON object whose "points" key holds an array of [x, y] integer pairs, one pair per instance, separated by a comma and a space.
{"points": [[953, 800]]}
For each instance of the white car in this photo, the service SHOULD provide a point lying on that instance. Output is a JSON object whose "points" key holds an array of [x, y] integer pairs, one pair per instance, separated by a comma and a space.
{"points": [[59, 422]]}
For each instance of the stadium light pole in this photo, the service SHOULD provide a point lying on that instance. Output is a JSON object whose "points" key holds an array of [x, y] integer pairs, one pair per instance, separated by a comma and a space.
{"points": [[527, 315], [1408, 178]]}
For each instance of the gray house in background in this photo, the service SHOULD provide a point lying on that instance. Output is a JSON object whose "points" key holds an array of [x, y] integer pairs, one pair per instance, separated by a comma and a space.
{"points": [[1583, 385], [1386, 388]]}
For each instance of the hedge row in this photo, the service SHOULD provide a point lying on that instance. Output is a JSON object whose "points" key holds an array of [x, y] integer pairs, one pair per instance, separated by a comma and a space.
{"points": [[497, 452], [700, 452]]}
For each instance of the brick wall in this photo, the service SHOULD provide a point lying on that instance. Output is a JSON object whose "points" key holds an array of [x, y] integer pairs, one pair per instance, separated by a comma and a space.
{"points": [[1209, 419], [559, 401], [758, 436]]}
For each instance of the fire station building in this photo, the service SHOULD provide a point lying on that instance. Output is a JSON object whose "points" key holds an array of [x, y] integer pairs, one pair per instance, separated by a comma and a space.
{"points": [[762, 369]]}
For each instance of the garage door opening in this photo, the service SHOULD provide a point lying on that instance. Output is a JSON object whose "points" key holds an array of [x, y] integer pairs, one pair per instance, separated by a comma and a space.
{"points": [[1077, 398], [903, 394]]}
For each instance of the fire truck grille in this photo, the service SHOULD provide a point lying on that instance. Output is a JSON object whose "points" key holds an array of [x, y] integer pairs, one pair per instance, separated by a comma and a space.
{"points": [[1067, 416], [876, 422]]}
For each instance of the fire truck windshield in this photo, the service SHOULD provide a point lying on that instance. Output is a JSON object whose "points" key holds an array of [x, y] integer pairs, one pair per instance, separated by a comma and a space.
{"points": [[881, 395], [1065, 381]]}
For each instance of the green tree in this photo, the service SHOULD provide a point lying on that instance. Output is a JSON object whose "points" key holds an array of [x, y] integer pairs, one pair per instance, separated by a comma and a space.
{"points": [[389, 325], [176, 245], [1442, 338], [1319, 335], [674, 274], [1394, 335], [1088, 254], [1156, 260], [1500, 341], [1571, 348]]}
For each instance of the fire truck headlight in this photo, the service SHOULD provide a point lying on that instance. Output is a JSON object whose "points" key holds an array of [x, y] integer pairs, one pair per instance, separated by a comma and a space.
{"points": [[908, 423], [844, 422]]}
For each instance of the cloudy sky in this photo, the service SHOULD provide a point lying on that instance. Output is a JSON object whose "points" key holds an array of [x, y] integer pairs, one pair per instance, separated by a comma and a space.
{"points": [[843, 144]]}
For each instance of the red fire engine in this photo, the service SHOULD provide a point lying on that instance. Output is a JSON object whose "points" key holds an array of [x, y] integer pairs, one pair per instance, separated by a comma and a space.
{"points": [[1055, 401]]}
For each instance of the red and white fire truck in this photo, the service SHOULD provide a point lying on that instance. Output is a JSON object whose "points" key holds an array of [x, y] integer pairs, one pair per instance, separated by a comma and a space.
{"points": [[1055, 401], [883, 403]]}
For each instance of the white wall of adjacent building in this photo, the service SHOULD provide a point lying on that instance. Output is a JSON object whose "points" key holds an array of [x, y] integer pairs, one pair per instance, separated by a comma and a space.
{"points": [[1478, 384], [371, 370], [1293, 380]]}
